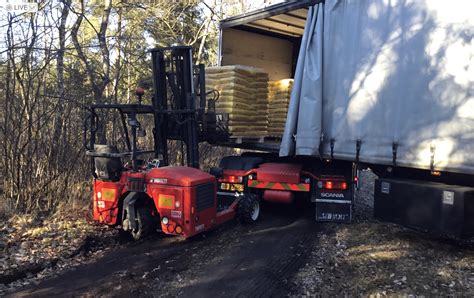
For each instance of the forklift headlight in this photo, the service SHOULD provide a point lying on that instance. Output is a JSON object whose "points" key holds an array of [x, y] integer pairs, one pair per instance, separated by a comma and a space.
{"points": [[225, 186], [238, 187], [165, 220], [99, 195], [177, 204]]}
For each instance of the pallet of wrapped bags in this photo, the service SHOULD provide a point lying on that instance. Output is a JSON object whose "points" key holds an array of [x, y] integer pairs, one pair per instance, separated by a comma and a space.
{"points": [[279, 93], [259, 86], [236, 86]]}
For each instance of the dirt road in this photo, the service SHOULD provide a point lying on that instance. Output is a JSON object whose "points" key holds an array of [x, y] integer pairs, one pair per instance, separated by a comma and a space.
{"points": [[234, 260], [287, 253]]}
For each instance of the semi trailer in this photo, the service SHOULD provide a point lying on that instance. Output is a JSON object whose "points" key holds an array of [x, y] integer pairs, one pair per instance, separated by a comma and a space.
{"points": [[385, 85]]}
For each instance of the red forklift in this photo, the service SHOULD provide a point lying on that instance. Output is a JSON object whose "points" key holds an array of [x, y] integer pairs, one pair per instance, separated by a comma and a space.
{"points": [[139, 196], [147, 193]]}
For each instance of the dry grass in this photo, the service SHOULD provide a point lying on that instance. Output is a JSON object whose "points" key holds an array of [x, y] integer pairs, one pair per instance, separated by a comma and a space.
{"points": [[376, 259]]}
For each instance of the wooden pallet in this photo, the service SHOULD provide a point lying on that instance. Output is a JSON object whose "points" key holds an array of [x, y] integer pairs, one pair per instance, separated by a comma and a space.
{"points": [[273, 139], [247, 139]]}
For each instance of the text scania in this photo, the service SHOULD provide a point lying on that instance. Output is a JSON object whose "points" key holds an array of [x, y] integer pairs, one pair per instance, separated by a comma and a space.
{"points": [[332, 195]]}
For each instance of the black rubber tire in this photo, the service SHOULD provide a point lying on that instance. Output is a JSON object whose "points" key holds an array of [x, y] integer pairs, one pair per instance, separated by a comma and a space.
{"points": [[245, 209], [144, 223]]}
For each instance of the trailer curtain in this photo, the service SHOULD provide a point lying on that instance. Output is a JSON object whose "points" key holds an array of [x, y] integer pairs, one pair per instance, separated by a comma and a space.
{"points": [[386, 82], [303, 124]]}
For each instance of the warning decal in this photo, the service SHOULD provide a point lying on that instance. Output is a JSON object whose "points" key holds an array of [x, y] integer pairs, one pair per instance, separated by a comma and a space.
{"points": [[165, 201]]}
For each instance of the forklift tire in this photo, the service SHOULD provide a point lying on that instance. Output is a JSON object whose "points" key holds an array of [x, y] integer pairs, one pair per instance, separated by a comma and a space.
{"points": [[248, 210], [144, 223]]}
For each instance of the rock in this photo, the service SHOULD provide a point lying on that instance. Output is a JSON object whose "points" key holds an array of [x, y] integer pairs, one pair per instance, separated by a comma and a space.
{"points": [[25, 245]]}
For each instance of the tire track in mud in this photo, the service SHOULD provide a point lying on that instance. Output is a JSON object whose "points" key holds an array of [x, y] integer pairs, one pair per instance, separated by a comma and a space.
{"points": [[275, 279], [264, 262]]}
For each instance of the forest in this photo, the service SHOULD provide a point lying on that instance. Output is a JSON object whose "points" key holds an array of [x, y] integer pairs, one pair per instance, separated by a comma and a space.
{"points": [[210, 237], [68, 54]]}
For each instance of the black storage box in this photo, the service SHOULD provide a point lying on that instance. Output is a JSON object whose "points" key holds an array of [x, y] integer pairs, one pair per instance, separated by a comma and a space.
{"points": [[435, 207]]}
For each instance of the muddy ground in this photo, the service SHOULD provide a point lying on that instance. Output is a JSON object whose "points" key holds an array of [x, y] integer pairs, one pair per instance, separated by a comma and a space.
{"points": [[234, 259], [285, 254]]}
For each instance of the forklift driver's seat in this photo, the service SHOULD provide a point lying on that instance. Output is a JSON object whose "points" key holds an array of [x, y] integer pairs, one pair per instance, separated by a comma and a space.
{"points": [[107, 168]]}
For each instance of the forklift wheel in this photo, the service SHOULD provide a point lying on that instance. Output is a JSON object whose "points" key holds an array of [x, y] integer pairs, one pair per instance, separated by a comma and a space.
{"points": [[249, 208], [144, 223]]}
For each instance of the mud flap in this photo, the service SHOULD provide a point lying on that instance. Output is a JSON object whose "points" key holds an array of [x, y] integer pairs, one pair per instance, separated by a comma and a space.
{"points": [[333, 206]]}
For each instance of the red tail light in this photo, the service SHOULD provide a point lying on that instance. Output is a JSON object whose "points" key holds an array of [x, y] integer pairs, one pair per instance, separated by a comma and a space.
{"points": [[328, 185], [234, 179], [337, 185]]}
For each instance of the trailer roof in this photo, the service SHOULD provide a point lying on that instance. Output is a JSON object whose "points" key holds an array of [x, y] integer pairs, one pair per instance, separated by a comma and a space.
{"points": [[286, 18]]}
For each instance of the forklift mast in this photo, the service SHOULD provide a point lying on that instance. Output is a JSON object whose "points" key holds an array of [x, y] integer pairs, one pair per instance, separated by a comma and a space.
{"points": [[174, 100], [181, 109]]}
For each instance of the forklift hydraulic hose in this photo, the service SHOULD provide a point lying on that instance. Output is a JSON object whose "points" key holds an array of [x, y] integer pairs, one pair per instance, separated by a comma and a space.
{"points": [[180, 123], [252, 171]]}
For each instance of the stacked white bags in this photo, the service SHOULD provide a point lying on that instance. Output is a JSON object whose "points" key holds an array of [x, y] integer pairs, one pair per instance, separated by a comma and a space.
{"points": [[278, 99], [242, 94], [259, 86]]}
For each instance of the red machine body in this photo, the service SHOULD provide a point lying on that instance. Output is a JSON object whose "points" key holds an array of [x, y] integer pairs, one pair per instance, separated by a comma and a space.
{"points": [[184, 198], [281, 172], [279, 181], [106, 198], [278, 196]]}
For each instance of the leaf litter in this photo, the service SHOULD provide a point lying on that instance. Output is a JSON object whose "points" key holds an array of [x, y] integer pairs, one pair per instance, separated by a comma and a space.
{"points": [[32, 249]]}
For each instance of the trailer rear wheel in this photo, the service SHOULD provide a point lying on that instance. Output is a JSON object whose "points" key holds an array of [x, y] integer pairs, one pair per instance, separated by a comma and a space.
{"points": [[249, 208]]}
